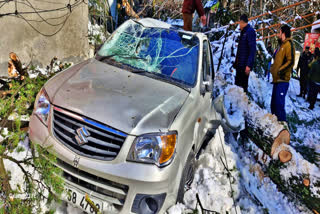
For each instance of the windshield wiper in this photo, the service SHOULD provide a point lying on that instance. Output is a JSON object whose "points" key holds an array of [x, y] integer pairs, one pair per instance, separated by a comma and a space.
{"points": [[132, 57], [102, 58]]}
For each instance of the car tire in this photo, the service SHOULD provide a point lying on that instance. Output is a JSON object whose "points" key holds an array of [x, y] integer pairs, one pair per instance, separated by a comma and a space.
{"points": [[187, 176]]}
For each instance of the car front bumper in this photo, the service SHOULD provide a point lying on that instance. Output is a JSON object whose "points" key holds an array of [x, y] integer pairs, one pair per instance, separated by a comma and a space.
{"points": [[119, 182]]}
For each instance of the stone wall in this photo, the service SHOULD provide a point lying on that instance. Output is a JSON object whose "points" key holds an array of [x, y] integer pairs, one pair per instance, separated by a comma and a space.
{"points": [[69, 43]]}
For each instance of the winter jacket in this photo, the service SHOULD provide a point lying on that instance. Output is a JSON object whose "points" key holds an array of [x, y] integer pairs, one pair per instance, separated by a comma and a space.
{"points": [[246, 48], [304, 61], [283, 64], [189, 6], [315, 72]]}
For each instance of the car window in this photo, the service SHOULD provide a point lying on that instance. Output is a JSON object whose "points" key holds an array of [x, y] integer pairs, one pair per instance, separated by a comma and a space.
{"points": [[211, 61], [167, 53], [206, 62]]}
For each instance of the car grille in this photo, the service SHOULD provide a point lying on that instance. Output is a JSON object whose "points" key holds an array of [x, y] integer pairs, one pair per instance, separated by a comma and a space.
{"points": [[104, 143], [112, 192]]}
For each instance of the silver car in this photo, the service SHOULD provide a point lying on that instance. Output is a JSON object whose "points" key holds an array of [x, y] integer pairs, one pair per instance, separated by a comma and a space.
{"points": [[126, 126]]}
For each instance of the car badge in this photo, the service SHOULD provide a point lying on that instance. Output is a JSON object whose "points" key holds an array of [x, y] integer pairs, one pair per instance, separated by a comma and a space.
{"points": [[81, 136]]}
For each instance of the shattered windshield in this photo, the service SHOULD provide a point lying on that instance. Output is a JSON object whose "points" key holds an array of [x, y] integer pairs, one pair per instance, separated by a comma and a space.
{"points": [[167, 53]]}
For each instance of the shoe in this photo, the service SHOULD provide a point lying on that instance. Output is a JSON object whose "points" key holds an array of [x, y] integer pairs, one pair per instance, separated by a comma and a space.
{"points": [[311, 107]]}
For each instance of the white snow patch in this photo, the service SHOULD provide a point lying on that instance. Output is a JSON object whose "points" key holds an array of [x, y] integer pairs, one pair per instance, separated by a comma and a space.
{"points": [[211, 182]]}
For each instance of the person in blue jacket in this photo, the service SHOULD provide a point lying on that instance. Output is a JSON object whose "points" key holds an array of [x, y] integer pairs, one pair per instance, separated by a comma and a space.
{"points": [[245, 54]]}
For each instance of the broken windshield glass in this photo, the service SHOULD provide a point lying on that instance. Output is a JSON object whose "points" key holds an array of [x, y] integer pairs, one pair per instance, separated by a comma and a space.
{"points": [[159, 51]]}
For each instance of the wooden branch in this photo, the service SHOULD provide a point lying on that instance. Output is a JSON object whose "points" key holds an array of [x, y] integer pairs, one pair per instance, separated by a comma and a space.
{"points": [[94, 207], [5, 179], [277, 25], [29, 177], [275, 11], [292, 30]]}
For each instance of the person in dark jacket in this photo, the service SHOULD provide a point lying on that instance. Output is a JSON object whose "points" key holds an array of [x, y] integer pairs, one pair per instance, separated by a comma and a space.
{"points": [[304, 61], [314, 81], [281, 71], [188, 8], [245, 54]]}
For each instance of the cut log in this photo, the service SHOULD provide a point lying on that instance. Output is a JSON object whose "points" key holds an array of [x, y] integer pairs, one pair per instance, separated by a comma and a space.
{"points": [[283, 138], [269, 144], [285, 156], [306, 182]]}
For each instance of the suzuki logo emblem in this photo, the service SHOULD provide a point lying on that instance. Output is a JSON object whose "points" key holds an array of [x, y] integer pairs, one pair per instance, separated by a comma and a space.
{"points": [[82, 135]]}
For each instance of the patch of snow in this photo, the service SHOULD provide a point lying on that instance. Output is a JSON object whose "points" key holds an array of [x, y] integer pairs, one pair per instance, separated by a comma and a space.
{"points": [[176, 22], [255, 182], [211, 182], [316, 28], [95, 30]]}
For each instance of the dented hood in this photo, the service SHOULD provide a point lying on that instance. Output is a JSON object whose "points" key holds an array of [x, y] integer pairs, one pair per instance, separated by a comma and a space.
{"points": [[132, 103]]}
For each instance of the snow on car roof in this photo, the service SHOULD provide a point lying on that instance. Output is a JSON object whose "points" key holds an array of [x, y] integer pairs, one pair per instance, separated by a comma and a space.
{"points": [[154, 23], [149, 22]]}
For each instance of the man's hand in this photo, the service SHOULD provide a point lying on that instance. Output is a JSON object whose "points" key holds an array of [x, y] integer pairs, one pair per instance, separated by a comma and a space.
{"points": [[203, 20], [247, 71]]}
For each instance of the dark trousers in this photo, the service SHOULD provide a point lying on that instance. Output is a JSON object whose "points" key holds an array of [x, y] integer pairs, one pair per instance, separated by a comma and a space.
{"points": [[278, 100], [303, 85], [313, 93], [187, 21], [242, 79]]}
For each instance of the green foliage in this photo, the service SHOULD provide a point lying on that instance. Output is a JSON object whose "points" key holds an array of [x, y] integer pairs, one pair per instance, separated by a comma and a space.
{"points": [[42, 180], [293, 187], [261, 61], [309, 154], [225, 16]]}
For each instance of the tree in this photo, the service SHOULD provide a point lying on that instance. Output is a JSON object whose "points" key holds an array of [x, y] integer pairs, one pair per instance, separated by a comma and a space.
{"points": [[42, 181]]}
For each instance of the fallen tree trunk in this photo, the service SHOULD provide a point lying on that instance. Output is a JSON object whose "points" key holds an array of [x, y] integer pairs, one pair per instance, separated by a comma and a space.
{"points": [[263, 128], [272, 138], [268, 143], [268, 133], [266, 139]]}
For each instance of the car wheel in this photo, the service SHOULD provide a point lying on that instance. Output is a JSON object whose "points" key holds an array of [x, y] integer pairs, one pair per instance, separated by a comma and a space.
{"points": [[187, 176]]}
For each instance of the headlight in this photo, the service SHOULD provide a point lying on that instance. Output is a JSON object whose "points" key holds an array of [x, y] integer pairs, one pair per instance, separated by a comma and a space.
{"points": [[158, 148], [42, 106]]}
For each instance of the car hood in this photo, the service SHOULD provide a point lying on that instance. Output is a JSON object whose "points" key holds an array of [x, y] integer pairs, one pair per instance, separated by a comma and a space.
{"points": [[132, 103]]}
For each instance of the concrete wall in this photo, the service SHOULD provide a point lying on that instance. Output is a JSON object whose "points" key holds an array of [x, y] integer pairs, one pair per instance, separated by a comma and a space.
{"points": [[71, 43]]}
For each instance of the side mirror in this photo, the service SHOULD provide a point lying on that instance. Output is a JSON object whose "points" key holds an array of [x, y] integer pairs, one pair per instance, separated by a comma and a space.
{"points": [[206, 86]]}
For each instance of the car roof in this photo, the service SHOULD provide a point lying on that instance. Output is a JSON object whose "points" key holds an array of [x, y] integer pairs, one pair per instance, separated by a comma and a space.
{"points": [[154, 23]]}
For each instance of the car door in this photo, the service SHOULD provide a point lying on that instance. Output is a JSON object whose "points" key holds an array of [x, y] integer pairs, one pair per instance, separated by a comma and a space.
{"points": [[205, 101]]}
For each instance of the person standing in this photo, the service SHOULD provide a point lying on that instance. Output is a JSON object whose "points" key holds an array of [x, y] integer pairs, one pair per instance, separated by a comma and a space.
{"points": [[314, 81], [304, 61], [188, 8], [281, 72], [245, 54]]}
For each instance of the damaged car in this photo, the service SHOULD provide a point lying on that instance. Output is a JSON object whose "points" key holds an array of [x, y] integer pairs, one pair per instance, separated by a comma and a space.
{"points": [[126, 126]]}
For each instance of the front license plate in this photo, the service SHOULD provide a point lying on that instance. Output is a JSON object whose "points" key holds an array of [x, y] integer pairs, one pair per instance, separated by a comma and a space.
{"points": [[78, 199]]}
